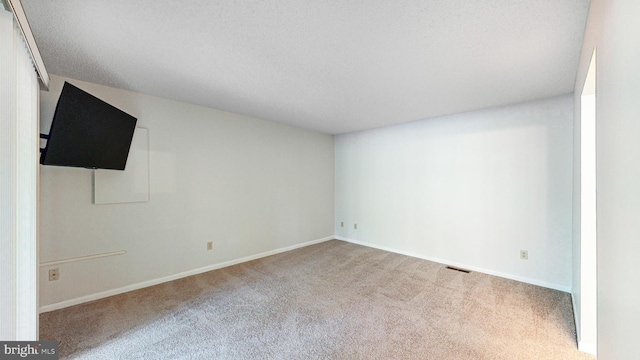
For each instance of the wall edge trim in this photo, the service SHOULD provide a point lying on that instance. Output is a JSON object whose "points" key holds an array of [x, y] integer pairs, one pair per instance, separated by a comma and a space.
{"points": [[587, 347]]}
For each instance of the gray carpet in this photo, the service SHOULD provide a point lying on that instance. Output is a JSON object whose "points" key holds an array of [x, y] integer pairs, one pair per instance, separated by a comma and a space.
{"points": [[333, 300]]}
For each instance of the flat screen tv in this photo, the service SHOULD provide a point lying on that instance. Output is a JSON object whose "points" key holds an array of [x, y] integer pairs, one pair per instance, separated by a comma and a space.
{"points": [[87, 132]]}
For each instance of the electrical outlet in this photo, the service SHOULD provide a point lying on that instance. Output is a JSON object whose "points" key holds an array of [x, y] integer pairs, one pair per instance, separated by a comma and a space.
{"points": [[355, 226], [210, 245], [524, 254], [54, 274], [341, 223]]}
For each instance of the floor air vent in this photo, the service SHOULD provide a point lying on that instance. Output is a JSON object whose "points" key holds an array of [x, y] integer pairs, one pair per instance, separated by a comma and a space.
{"points": [[458, 269]]}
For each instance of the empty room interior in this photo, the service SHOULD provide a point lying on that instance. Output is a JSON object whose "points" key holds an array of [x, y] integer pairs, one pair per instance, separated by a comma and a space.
{"points": [[419, 179]]}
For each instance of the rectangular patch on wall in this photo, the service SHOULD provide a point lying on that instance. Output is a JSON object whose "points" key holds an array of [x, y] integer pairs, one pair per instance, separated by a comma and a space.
{"points": [[130, 185]]}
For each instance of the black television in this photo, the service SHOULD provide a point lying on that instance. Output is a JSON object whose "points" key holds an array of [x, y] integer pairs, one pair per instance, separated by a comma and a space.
{"points": [[88, 132]]}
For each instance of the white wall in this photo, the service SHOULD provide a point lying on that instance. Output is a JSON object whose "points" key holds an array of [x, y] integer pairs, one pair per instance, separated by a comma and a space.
{"points": [[613, 28], [250, 186], [471, 189]]}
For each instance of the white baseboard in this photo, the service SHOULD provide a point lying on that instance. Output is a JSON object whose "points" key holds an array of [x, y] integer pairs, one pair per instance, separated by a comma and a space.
{"points": [[464, 266], [144, 284], [83, 299]]}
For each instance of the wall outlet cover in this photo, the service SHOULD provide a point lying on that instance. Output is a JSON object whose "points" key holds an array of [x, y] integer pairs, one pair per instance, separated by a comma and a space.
{"points": [[54, 274]]}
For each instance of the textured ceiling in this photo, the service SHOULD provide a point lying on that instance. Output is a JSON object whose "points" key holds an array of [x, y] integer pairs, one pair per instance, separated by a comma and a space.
{"points": [[335, 65]]}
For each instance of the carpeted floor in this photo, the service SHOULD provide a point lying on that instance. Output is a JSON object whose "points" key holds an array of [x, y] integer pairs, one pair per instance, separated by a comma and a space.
{"points": [[333, 300]]}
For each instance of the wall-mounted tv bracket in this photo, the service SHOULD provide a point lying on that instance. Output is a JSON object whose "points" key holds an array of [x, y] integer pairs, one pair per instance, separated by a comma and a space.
{"points": [[43, 136]]}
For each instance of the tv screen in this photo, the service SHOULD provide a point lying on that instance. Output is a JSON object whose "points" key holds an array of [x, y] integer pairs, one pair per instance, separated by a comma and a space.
{"points": [[87, 132]]}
